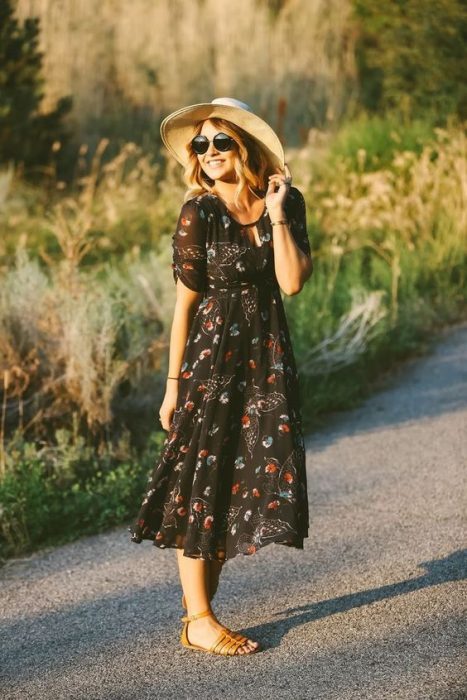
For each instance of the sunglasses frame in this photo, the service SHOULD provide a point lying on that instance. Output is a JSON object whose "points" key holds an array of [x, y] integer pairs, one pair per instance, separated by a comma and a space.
{"points": [[206, 142]]}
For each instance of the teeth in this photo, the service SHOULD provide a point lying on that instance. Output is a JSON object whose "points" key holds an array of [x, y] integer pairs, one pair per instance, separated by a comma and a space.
{"points": [[215, 162]]}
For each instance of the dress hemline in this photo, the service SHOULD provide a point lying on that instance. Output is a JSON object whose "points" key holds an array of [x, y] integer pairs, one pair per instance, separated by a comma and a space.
{"points": [[296, 542]]}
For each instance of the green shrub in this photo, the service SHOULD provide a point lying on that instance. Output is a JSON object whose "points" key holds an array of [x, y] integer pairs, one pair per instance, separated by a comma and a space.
{"points": [[411, 57], [55, 493]]}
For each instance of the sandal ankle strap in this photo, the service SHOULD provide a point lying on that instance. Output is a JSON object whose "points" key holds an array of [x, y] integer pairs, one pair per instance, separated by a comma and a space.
{"points": [[189, 618]]}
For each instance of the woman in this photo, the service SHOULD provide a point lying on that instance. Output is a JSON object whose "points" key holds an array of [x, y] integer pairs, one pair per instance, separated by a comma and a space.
{"points": [[231, 476]]}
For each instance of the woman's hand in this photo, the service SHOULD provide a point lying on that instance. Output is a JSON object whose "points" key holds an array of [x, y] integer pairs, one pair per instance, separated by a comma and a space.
{"points": [[275, 201], [168, 405]]}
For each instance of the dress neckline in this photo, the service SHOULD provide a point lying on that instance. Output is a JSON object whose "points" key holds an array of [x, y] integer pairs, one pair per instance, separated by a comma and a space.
{"points": [[232, 216]]}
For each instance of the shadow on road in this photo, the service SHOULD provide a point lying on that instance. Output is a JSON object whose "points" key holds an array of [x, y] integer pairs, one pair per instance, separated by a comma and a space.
{"points": [[450, 568]]}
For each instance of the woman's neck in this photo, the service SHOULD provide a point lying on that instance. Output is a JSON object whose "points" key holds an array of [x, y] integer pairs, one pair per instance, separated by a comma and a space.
{"points": [[226, 191]]}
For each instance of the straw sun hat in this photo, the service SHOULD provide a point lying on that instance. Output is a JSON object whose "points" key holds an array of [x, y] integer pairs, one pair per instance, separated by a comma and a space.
{"points": [[178, 128]]}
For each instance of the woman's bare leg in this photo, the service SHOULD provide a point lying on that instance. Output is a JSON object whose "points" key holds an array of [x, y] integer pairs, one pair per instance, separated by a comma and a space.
{"points": [[214, 572], [194, 577]]}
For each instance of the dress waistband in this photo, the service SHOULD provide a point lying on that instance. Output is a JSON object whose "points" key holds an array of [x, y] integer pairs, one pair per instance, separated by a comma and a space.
{"points": [[235, 286]]}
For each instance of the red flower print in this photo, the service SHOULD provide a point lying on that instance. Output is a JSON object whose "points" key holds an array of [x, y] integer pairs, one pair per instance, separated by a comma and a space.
{"points": [[271, 379], [288, 477], [179, 498], [270, 468], [235, 488], [187, 374], [251, 549], [208, 307], [273, 505], [203, 453], [228, 355], [198, 506], [252, 363], [181, 510], [208, 521], [256, 493], [185, 221], [202, 387], [245, 421], [284, 428], [159, 535]]}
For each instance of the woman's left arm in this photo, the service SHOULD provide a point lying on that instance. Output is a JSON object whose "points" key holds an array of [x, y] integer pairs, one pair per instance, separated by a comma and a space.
{"points": [[292, 255]]}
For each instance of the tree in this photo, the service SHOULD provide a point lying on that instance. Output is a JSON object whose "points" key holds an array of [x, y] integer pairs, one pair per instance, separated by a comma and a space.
{"points": [[26, 135]]}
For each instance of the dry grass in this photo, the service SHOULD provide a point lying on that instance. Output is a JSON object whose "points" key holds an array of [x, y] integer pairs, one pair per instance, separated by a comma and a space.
{"points": [[122, 58], [67, 342], [418, 202]]}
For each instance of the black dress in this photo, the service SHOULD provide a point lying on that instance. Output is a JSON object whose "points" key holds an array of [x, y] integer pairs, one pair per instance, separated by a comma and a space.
{"points": [[231, 475]]}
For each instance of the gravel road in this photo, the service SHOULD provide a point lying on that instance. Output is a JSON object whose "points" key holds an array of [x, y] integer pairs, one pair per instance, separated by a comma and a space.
{"points": [[372, 608]]}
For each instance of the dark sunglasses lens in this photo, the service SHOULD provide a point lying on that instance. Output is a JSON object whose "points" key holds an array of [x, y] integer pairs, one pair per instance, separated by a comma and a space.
{"points": [[223, 142], [200, 144]]}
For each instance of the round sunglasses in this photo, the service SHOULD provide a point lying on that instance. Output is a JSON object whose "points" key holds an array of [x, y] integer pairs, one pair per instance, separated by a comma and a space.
{"points": [[221, 141]]}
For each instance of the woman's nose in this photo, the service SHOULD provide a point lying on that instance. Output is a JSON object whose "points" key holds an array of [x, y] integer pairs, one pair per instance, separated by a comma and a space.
{"points": [[212, 151]]}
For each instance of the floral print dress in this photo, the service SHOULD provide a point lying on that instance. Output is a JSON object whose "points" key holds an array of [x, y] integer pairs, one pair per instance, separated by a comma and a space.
{"points": [[231, 475]]}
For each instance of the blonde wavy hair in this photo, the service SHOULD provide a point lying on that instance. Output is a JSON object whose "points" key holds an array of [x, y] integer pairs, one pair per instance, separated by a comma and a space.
{"points": [[251, 163]]}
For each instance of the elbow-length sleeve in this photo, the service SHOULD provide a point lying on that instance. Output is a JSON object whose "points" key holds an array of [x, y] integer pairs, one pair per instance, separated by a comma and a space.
{"points": [[189, 247], [295, 211]]}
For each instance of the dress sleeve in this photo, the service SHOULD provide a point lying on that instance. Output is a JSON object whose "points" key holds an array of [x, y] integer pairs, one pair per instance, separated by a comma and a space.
{"points": [[189, 247], [296, 214]]}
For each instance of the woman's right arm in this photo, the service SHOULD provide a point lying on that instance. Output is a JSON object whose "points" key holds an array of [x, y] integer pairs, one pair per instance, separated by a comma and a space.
{"points": [[189, 273], [185, 308]]}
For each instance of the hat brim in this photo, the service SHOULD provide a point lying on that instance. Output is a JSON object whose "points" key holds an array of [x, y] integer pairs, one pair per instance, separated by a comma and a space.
{"points": [[178, 128]]}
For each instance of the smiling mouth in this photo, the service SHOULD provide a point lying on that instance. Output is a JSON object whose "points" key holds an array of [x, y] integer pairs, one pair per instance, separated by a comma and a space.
{"points": [[215, 163]]}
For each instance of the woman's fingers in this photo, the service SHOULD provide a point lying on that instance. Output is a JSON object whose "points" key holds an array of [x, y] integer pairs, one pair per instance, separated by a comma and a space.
{"points": [[166, 420], [276, 182], [280, 178], [271, 186]]}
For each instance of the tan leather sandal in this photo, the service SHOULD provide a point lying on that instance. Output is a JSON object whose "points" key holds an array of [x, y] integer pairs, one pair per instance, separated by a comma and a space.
{"points": [[236, 635], [225, 644]]}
